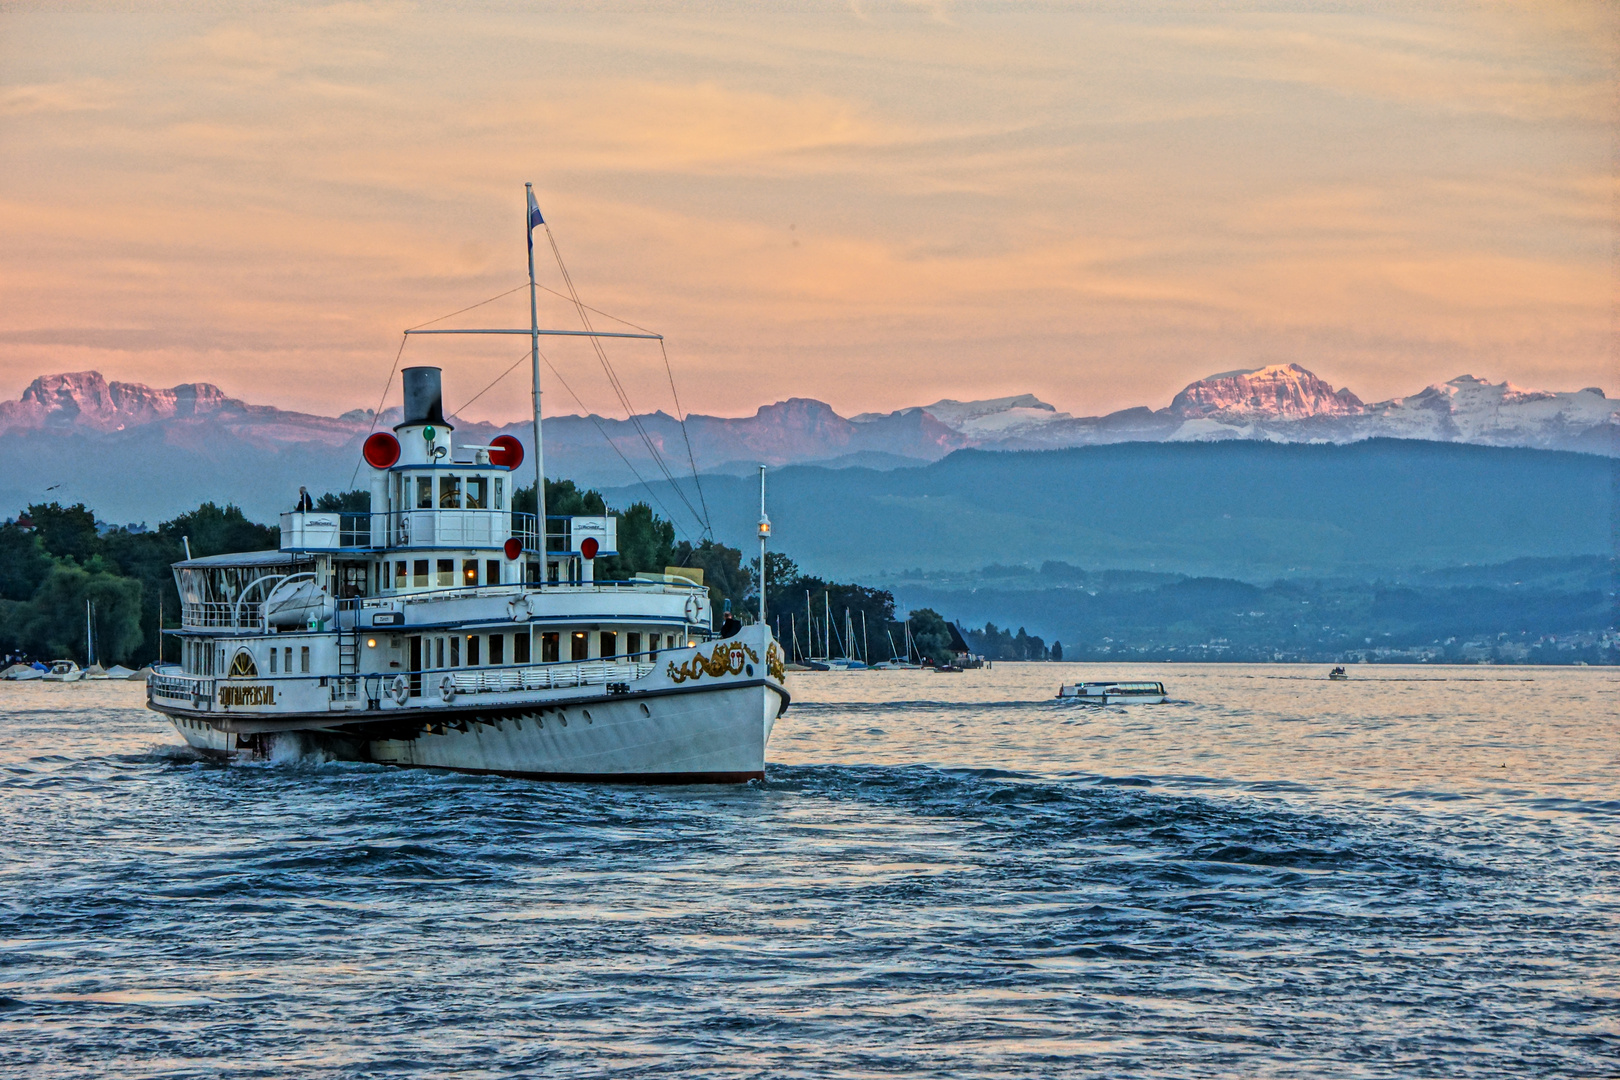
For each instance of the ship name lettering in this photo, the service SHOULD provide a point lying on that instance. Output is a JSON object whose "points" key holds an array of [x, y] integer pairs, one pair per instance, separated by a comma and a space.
{"points": [[247, 695]]}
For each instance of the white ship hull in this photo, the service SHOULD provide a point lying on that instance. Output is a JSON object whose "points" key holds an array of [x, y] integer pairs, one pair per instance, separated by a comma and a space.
{"points": [[710, 726]]}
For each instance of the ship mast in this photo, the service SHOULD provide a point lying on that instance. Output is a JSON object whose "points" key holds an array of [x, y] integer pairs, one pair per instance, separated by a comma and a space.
{"points": [[532, 217], [531, 212]]}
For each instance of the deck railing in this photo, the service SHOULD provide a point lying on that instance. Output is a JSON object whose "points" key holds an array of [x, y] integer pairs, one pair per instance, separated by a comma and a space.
{"points": [[342, 530]]}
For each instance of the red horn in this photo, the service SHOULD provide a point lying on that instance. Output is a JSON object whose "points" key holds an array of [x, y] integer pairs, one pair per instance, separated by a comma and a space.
{"points": [[381, 450], [506, 451]]}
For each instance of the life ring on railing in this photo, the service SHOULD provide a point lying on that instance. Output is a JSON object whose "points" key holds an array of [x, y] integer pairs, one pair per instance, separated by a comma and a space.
{"points": [[400, 688], [447, 689], [694, 608]]}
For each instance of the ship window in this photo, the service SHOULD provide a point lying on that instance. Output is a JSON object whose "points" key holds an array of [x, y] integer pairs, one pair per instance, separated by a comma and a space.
{"points": [[447, 572], [632, 645], [424, 492], [477, 492], [472, 650], [402, 576], [455, 652], [500, 495], [440, 651], [273, 653], [449, 493], [497, 649], [610, 643], [286, 656], [492, 572], [581, 646], [419, 576], [303, 659], [469, 572], [548, 648], [520, 647], [243, 667]]}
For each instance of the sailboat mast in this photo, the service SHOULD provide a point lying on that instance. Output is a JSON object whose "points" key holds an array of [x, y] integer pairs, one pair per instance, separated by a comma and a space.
{"points": [[764, 534], [530, 212], [866, 643], [89, 636]]}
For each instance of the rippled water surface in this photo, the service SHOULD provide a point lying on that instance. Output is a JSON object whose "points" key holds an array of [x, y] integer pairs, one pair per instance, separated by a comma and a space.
{"points": [[1413, 873]]}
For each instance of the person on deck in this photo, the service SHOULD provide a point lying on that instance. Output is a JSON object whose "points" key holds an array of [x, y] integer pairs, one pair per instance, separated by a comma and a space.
{"points": [[305, 503]]}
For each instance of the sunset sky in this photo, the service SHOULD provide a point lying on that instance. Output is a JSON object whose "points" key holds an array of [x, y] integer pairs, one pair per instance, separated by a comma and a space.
{"points": [[875, 205]]}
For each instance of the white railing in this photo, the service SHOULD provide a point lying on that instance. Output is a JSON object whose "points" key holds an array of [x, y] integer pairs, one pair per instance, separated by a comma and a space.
{"points": [[243, 615], [180, 687], [546, 677]]}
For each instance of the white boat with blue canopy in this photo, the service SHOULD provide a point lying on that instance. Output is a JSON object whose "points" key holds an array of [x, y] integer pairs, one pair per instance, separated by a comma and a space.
{"points": [[442, 628]]}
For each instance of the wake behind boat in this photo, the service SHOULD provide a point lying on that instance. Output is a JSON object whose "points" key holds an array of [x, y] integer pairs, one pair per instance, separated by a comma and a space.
{"points": [[441, 628]]}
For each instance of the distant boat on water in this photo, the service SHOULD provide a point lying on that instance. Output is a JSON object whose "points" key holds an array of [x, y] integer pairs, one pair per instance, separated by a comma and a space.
{"points": [[1115, 693]]}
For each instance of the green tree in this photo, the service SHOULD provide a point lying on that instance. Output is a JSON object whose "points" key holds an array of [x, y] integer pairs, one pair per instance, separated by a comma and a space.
{"points": [[932, 636], [357, 501], [216, 530], [68, 532], [148, 557], [646, 545], [563, 499], [23, 562], [56, 619]]}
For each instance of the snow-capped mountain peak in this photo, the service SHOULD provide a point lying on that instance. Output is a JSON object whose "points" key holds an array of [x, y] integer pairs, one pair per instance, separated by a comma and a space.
{"points": [[1273, 392]]}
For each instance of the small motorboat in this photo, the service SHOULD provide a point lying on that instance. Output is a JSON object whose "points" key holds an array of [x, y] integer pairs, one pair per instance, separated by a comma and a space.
{"points": [[63, 671], [1338, 674], [1115, 693], [24, 672]]}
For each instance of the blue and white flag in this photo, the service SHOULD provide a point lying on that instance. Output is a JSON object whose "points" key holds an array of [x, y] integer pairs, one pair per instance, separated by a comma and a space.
{"points": [[534, 218]]}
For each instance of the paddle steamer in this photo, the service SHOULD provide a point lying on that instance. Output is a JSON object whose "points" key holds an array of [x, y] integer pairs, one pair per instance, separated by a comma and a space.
{"points": [[443, 629]]}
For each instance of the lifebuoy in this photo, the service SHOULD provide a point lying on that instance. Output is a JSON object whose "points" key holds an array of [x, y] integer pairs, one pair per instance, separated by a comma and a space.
{"points": [[400, 688], [447, 688], [694, 608], [518, 609]]}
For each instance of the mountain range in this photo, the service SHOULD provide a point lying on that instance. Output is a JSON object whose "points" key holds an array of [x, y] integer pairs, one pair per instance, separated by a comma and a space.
{"points": [[136, 452]]}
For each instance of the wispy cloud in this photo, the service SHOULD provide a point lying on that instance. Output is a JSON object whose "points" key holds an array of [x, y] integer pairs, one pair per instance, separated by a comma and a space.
{"points": [[865, 205]]}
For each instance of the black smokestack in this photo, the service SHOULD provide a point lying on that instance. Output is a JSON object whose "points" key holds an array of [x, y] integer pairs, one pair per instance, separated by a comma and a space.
{"points": [[424, 401]]}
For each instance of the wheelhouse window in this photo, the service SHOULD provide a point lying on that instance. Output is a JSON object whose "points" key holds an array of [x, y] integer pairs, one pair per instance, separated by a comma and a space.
{"points": [[401, 574], [446, 573], [449, 493], [500, 495], [492, 572], [477, 492], [419, 573], [424, 492], [469, 572]]}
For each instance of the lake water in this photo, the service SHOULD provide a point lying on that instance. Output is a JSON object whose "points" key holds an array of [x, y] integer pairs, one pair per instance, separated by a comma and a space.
{"points": [[1412, 873]]}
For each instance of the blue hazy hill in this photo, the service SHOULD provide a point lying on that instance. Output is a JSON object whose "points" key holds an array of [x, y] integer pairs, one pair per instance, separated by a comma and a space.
{"points": [[1246, 510]]}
